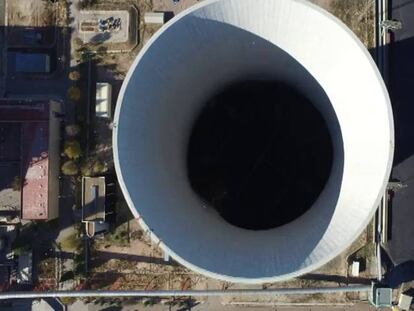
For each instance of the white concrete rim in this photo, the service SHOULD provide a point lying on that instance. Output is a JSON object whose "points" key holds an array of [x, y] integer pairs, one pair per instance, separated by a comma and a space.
{"points": [[176, 256]]}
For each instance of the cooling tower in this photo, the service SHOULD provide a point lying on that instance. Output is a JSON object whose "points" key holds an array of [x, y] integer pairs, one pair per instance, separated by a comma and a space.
{"points": [[253, 139]]}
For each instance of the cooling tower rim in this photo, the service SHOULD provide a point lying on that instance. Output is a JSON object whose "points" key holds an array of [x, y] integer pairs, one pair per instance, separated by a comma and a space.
{"points": [[153, 235]]}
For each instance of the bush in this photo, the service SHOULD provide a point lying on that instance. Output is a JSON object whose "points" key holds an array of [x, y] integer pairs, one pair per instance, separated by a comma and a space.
{"points": [[118, 236], [98, 167], [72, 130], [68, 300], [74, 75], [71, 243], [137, 235], [74, 93], [92, 166], [77, 42], [21, 249], [16, 184], [69, 168], [86, 169], [72, 149]]}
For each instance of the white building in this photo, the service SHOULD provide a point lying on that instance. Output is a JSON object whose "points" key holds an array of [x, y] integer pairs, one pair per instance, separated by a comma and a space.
{"points": [[103, 100]]}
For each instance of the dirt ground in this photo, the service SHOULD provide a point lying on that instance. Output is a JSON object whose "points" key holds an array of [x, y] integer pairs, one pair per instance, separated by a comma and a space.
{"points": [[169, 6], [358, 15], [34, 13], [140, 265]]}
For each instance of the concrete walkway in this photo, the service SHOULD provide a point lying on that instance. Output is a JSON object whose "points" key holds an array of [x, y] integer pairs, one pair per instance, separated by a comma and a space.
{"points": [[215, 305], [74, 26]]}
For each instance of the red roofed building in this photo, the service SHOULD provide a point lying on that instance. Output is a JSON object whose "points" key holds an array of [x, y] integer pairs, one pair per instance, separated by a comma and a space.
{"points": [[35, 169], [39, 156]]}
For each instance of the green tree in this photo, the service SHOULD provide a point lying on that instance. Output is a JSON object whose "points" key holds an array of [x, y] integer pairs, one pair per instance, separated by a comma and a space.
{"points": [[74, 93], [68, 300], [74, 75], [92, 166], [86, 169], [16, 184], [72, 130], [98, 167], [77, 42], [72, 149], [69, 168]]}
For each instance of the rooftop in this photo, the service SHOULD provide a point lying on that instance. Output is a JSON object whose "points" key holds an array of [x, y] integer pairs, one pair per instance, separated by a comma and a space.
{"points": [[24, 153], [93, 198], [35, 169]]}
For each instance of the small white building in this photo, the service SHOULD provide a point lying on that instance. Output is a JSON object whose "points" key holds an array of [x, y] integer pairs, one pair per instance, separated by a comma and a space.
{"points": [[404, 303], [355, 268], [154, 18], [93, 205], [103, 100]]}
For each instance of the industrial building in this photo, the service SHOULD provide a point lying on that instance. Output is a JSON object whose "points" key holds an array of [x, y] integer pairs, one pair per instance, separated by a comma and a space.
{"points": [[246, 216]]}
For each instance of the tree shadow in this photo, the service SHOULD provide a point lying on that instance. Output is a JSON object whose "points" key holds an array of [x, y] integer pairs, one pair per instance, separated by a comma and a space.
{"points": [[101, 37], [101, 257]]}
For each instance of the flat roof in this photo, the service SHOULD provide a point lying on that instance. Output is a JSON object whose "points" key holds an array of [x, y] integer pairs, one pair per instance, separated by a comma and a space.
{"points": [[32, 62], [103, 99], [18, 112], [24, 133], [154, 18], [35, 170]]}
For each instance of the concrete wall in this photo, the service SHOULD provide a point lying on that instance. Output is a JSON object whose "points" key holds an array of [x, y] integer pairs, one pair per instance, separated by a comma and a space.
{"points": [[219, 42]]}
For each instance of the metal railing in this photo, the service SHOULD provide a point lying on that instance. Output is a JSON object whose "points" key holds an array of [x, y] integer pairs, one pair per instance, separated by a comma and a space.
{"points": [[186, 293]]}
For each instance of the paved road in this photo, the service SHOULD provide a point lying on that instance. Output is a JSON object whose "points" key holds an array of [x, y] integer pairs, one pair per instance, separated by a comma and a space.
{"points": [[401, 246], [79, 306]]}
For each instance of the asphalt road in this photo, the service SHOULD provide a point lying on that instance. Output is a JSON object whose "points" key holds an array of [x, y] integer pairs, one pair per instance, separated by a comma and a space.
{"points": [[401, 87]]}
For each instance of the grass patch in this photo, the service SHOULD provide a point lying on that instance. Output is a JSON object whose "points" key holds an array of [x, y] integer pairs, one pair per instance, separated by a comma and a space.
{"points": [[71, 243], [119, 236]]}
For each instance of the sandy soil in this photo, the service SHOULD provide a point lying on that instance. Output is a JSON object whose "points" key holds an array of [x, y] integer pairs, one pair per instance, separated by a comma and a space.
{"points": [[358, 15], [169, 6], [35, 13], [140, 266]]}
